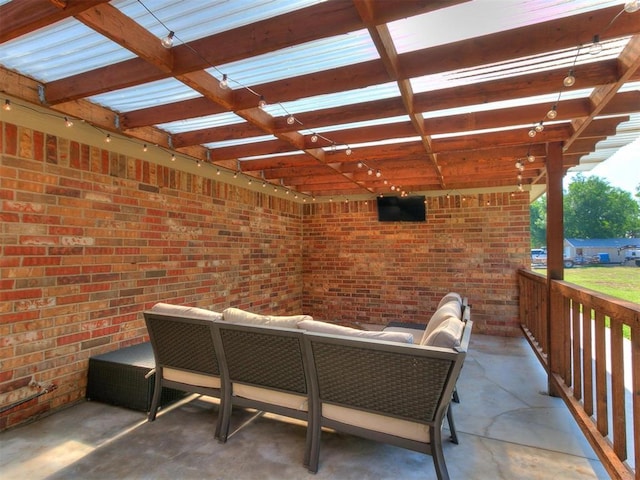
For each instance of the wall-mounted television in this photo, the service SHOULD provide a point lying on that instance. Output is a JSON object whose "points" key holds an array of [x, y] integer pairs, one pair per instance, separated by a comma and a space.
{"points": [[402, 209]]}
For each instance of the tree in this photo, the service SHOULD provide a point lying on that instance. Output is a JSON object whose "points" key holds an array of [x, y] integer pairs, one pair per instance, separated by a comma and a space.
{"points": [[538, 222], [595, 209]]}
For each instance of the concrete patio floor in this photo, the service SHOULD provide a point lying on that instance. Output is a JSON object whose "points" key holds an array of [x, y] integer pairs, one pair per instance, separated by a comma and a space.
{"points": [[507, 426]]}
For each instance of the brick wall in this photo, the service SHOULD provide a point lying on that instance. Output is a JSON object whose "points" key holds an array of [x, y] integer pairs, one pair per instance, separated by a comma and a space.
{"points": [[90, 238], [359, 270]]}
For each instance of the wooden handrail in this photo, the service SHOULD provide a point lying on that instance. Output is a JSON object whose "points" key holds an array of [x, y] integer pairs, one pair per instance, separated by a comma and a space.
{"points": [[587, 328]]}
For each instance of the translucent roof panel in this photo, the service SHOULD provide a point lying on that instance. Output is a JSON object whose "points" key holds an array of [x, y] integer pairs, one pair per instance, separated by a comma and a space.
{"points": [[568, 58], [199, 123], [240, 141], [311, 57], [482, 17], [146, 95], [62, 50], [68, 47], [193, 19]]}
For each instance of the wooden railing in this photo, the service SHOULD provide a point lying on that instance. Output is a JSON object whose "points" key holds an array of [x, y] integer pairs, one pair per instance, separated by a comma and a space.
{"points": [[589, 343]]}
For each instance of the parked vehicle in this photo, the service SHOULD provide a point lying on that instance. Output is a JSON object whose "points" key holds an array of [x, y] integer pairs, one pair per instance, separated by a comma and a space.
{"points": [[539, 257]]}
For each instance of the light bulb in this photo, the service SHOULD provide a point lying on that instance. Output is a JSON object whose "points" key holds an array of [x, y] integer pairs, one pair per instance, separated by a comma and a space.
{"points": [[539, 127], [520, 187], [291, 120], [198, 163], [553, 113], [68, 122], [108, 138], [167, 42], [360, 164], [173, 158], [532, 132], [235, 174], [224, 83], [569, 80], [519, 165], [7, 105], [218, 171], [264, 184], [369, 172], [262, 103], [596, 46], [348, 151], [531, 158], [632, 6], [519, 177], [250, 182], [314, 138], [378, 173], [144, 148]]}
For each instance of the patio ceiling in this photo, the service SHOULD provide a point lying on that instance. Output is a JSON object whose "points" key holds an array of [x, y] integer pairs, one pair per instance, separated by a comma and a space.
{"points": [[363, 97]]}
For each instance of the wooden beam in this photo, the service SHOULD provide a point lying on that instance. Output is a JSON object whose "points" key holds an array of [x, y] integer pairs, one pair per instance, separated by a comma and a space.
{"points": [[26, 16], [111, 23]]}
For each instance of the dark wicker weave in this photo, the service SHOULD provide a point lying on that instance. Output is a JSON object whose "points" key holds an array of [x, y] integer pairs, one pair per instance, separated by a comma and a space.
{"points": [[265, 357], [408, 382], [182, 343]]}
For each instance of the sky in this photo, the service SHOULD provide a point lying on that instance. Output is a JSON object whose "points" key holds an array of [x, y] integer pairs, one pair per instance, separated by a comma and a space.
{"points": [[622, 169]]}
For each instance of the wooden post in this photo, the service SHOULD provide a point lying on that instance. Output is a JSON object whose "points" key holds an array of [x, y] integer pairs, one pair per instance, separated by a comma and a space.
{"points": [[555, 250]]}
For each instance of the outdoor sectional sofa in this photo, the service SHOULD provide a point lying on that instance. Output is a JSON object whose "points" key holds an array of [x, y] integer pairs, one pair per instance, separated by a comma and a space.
{"points": [[393, 386]]}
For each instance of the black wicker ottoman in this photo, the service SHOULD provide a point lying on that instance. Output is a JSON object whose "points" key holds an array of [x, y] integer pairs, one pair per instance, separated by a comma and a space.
{"points": [[117, 378]]}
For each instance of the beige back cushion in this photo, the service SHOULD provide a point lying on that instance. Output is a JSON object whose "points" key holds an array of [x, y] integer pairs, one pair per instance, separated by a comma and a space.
{"points": [[448, 297], [324, 327], [184, 311], [451, 308], [447, 334], [236, 315]]}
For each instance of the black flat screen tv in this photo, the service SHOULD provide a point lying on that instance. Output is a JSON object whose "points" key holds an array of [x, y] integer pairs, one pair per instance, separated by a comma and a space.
{"points": [[402, 209]]}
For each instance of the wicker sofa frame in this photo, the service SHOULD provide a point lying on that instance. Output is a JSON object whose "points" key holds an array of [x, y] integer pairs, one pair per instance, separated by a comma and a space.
{"points": [[389, 380]]}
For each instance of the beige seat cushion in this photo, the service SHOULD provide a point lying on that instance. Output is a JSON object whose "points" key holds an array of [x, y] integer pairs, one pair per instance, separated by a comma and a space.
{"points": [[330, 328], [379, 423], [191, 378], [184, 311], [283, 399], [237, 315]]}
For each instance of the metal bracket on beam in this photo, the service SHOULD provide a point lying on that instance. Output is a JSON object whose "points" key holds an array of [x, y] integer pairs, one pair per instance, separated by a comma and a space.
{"points": [[41, 94]]}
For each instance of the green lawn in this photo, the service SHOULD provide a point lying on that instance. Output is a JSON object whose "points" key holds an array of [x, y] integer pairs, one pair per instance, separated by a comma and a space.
{"points": [[618, 281], [621, 282]]}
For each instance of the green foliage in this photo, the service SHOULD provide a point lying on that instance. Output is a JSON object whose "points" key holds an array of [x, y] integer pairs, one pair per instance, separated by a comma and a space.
{"points": [[538, 222], [595, 209]]}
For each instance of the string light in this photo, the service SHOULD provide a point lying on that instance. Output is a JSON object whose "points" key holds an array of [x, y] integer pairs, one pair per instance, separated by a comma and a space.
{"points": [[144, 148], [173, 158], [553, 113], [7, 105], [596, 46], [539, 127], [314, 138], [224, 83], [167, 42], [570, 79], [108, 138], [291, 120], [68, 122], [262, 103], [632, 6]]}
